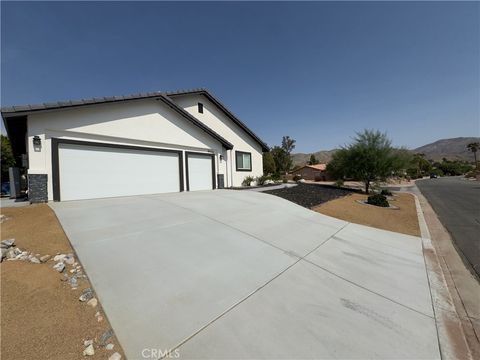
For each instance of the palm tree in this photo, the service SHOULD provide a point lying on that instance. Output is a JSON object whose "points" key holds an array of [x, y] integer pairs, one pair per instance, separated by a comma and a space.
{"points": [[473, 147]]}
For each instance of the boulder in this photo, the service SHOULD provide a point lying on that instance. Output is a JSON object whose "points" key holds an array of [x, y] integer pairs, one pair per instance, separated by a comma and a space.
{"points": [[115, 356], [7, 243], [89, 351], [86, 295], [60, 266]]}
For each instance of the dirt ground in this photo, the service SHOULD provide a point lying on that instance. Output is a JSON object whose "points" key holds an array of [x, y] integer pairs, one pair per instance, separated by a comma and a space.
{"points": [[403, 220], [41, 316]]}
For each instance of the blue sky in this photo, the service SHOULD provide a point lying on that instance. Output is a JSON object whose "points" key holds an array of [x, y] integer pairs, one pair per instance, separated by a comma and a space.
{"points": [[316, 71]]}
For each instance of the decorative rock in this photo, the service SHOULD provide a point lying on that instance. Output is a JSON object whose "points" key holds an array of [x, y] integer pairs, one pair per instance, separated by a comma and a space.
{"points": [[86, 295], [87, 343], [45, 258], [60, 257], [109, 346], [69, 259], [72, 271], [34, 260], [115, 356], [99, 318], [105, 336], [60, 266], [89, 351], [92, 302], [72, 281], [7, 243], [11, 253]]}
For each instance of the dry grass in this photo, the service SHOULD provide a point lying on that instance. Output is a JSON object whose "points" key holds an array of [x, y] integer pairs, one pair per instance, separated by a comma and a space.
{"points": [[41, 316], [403, 220]]}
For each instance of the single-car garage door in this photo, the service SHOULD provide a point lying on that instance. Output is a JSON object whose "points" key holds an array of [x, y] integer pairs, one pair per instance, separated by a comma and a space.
{"points": [[91, 171], [200, 171]]}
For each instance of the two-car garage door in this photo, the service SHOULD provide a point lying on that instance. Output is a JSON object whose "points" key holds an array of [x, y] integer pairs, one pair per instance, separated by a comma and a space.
{"points": [[88, 171]]}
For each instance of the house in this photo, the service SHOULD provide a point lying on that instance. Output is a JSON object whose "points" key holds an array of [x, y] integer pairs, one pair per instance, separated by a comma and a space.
{"points": [[312, 172], [131, 145]]}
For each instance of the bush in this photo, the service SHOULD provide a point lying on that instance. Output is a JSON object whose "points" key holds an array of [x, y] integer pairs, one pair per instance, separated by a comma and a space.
{"points": [[247, 181], [378, 200], [297, 177], [261, 179], [339, 183], [284, 180], [386, 192]]}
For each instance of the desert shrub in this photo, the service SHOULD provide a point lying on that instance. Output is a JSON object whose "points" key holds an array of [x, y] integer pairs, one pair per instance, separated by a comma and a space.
{"points": [[248, 180], [339, 183], [261, 179], [378, 200], [297, 177], [386, 192]]}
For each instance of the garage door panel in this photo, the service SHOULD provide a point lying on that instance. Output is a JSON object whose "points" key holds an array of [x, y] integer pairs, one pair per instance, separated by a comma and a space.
{"points": [[200, 172], [87, 172]]}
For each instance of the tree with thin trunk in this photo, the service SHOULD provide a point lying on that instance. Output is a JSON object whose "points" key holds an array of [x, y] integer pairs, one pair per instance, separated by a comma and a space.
{"points": [[369, 158], [473, 147]]}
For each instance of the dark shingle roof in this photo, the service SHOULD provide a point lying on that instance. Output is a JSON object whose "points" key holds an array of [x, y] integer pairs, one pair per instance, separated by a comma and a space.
{"points": [[13, 111]]}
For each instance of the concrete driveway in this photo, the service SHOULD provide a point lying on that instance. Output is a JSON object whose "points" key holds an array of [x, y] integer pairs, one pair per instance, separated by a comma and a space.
{"points": [[242, 275]]}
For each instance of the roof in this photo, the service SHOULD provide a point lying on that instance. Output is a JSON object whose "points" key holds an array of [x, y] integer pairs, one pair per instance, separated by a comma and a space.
{"points": [[165, 97], [319, 167]]}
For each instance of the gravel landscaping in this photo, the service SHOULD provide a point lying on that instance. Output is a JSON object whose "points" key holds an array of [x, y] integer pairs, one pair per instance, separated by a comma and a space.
{"points": [[49, 310], [310, 195]]}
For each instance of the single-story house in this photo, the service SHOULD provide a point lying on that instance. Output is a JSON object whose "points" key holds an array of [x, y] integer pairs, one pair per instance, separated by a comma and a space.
{"points": [[131, 145], [316, 172]]}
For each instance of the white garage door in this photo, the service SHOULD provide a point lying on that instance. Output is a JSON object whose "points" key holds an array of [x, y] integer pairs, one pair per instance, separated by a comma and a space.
{"points": [[88, 172], [200, 172]]}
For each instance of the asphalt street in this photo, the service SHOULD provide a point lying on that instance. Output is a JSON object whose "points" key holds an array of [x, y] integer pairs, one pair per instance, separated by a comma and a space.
{"points": [[457, 204]]}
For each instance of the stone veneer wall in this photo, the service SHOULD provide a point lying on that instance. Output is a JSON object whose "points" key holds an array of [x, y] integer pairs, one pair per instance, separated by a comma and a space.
{"points": [[37, 188]]}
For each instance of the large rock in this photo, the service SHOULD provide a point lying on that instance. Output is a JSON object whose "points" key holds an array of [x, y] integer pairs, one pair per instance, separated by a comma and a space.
{"points": [[89, 350], [115, 356], [86, 295], [60, 266], [7, 243]]}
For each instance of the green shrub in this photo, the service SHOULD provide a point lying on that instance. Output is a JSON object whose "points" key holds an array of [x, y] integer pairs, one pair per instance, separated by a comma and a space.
{"points": [[247, 181], [378, 200], [261, 179], [386, 192], [284, 180], [297, 177], [339, 183]]}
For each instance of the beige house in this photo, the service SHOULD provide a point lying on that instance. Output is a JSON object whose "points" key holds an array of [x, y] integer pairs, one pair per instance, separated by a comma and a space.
{"points": [[312, 172]]}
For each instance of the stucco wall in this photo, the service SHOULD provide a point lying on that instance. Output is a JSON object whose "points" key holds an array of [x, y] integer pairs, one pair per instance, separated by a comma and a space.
{"points": [[148, 123], [224, 126]]}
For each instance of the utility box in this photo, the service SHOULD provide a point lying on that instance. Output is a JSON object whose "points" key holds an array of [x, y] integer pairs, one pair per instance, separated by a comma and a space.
{"points": [[15, 185]]}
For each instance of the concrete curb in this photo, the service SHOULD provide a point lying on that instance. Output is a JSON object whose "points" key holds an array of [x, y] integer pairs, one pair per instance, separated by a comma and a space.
{"points": [[451, 335]]}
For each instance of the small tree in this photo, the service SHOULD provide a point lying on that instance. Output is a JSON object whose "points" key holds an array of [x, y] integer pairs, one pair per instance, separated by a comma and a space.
{"points": [[282, 155], [421, 164], [313, 160], [473, 147], [369, 158], [268, 163], [7, 158]]}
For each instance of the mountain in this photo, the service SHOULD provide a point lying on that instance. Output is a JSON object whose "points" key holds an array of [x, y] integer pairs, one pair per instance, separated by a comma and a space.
{"points": [[452, 149], [323, 156]]}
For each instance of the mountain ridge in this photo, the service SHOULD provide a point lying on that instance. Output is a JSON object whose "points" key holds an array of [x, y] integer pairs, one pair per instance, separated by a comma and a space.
{"points": [[450, 148]]}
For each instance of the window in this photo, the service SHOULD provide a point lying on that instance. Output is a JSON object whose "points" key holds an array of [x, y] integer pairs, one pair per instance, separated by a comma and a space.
{"points": [[243, 161], [200, 108]]}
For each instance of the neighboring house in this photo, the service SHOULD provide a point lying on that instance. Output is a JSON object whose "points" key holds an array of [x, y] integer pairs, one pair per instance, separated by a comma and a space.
{"points": [[312, 172], [132, 145]]}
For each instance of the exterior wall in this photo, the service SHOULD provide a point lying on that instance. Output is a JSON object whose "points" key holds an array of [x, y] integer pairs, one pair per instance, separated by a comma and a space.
{"points": [[225, 127], [147, 123]]}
